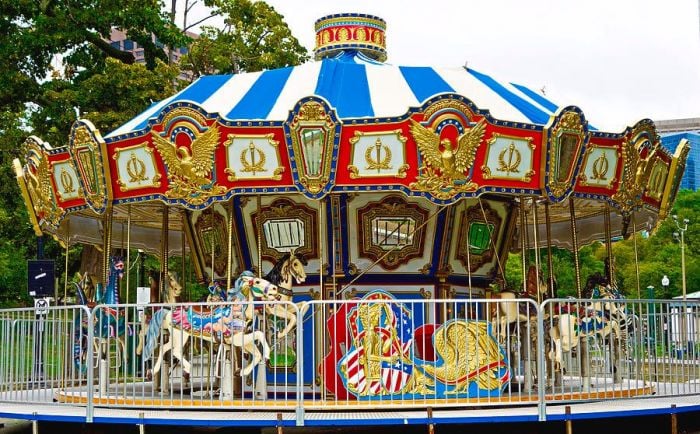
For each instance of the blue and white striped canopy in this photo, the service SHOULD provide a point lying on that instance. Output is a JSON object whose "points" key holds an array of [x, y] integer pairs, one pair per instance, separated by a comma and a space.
{"points": [[356, 86]]}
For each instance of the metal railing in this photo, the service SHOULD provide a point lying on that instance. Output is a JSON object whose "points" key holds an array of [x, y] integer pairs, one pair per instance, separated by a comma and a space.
{"points": [[378, 352]]}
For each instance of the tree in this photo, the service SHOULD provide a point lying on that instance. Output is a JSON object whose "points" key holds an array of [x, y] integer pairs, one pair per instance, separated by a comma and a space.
{"points": [[58, 65], [254, 37]]}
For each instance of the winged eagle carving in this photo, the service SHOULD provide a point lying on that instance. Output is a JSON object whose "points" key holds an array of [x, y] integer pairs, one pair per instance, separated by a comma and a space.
{"points": [[469, 354], [453, 161], [191, 166]]}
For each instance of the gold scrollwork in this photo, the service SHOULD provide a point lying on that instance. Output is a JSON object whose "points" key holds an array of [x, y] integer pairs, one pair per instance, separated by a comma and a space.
{"points": [[312, 134], [566, 138], [86, 148], [635, 169], [66, 181], [38, 182]]}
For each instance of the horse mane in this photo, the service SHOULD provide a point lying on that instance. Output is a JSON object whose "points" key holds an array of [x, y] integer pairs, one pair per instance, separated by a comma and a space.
{"points": [[594, 280], [275, 275]]}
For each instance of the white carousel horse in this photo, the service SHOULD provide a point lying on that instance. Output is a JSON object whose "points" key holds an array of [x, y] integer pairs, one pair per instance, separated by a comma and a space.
{"points": [[511, 312], [224, 323], [287, 271], [519, 320]]}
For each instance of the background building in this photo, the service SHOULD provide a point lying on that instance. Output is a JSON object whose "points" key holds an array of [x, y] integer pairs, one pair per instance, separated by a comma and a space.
{"points": [[672, 131]]}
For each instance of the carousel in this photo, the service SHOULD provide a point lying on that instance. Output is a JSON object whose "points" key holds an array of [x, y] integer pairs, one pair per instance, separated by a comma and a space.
{"points": [[351, 220]]}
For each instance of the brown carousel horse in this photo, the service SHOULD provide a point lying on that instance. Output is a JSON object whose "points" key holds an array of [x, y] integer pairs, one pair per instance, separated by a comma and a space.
{"points": [[286, 272]]}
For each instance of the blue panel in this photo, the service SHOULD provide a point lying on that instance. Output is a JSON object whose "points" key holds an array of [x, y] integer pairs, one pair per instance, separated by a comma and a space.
{"points": [[424, 81], [259, 100], [531, 112], [202, 89], [345, 87], [541, 100]]}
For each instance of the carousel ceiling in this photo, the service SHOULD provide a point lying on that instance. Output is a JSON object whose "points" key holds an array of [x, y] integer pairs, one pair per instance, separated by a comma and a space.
{"points": [[349, 124]]}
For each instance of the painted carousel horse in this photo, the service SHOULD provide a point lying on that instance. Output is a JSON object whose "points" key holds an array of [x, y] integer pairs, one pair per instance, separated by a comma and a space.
{"points": [[518, 321], [220, 324], [109, 321], [287, 271], [172, 294], [598, 321]]}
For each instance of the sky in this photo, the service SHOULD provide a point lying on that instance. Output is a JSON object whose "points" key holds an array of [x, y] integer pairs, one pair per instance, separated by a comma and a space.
{"points": [[620, 61]]}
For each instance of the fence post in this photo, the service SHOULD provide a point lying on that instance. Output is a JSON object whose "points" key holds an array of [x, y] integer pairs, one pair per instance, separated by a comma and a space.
{"points": [[90, 408], [541, 374], [300, 365]]}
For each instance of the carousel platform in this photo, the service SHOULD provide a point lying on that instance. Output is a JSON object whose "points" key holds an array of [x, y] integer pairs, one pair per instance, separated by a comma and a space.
{"points": [[639, 406]]}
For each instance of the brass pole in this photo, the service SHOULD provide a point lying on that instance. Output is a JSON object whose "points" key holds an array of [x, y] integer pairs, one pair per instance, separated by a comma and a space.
{"points": [[164, 252], [574, 240], [550, 264], [65, 283], [469, 248], [128, 254], [523, 242], [184, 262], [636, 256], [106, 244], [258, 228], [536, 243], [230, 245], [321, 226], [608, 244]]}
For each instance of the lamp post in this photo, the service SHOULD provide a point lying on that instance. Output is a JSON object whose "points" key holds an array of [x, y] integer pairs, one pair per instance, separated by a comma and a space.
{"points": [[681, 236]]}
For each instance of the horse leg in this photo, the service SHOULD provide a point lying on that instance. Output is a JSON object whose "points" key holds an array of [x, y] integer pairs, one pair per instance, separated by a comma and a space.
{"points": [[247, 343], [179, 339], [291, 319]]}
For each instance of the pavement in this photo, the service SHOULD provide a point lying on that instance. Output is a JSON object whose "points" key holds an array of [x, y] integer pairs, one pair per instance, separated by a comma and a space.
{"points": [[15, 426]]}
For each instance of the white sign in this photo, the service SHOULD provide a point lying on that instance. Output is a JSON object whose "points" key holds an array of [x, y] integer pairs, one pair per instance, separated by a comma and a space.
{"points": [[143, 297], [41, 306]]}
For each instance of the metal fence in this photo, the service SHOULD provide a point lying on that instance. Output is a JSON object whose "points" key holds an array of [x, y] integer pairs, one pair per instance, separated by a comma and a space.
{"points": [[378, 352]]}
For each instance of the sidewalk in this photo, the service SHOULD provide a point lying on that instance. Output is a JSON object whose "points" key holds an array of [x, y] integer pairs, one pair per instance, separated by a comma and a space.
{"points": [[15, 426]]}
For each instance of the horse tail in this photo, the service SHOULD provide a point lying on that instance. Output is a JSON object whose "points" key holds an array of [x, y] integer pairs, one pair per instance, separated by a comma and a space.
{"points": [[153, 333]]}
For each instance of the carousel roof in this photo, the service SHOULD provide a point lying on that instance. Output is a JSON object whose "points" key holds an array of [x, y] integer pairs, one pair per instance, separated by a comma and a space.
{"points": [[356, 86], [347, 124]]}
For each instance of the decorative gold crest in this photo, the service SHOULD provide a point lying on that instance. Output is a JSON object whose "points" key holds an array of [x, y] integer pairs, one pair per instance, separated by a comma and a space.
{"points": [[675, 174], [509, 157], [599, 166], [136, 167], [635, 169], [253, 156], [37, 177], [444, 163], [566, 136], [383, 154], [189, 169], [313, 132], [87, 150], [65, 180]]}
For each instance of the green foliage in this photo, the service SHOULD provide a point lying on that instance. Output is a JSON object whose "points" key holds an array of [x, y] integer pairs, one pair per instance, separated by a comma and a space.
{"points": [[255, 37]]}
